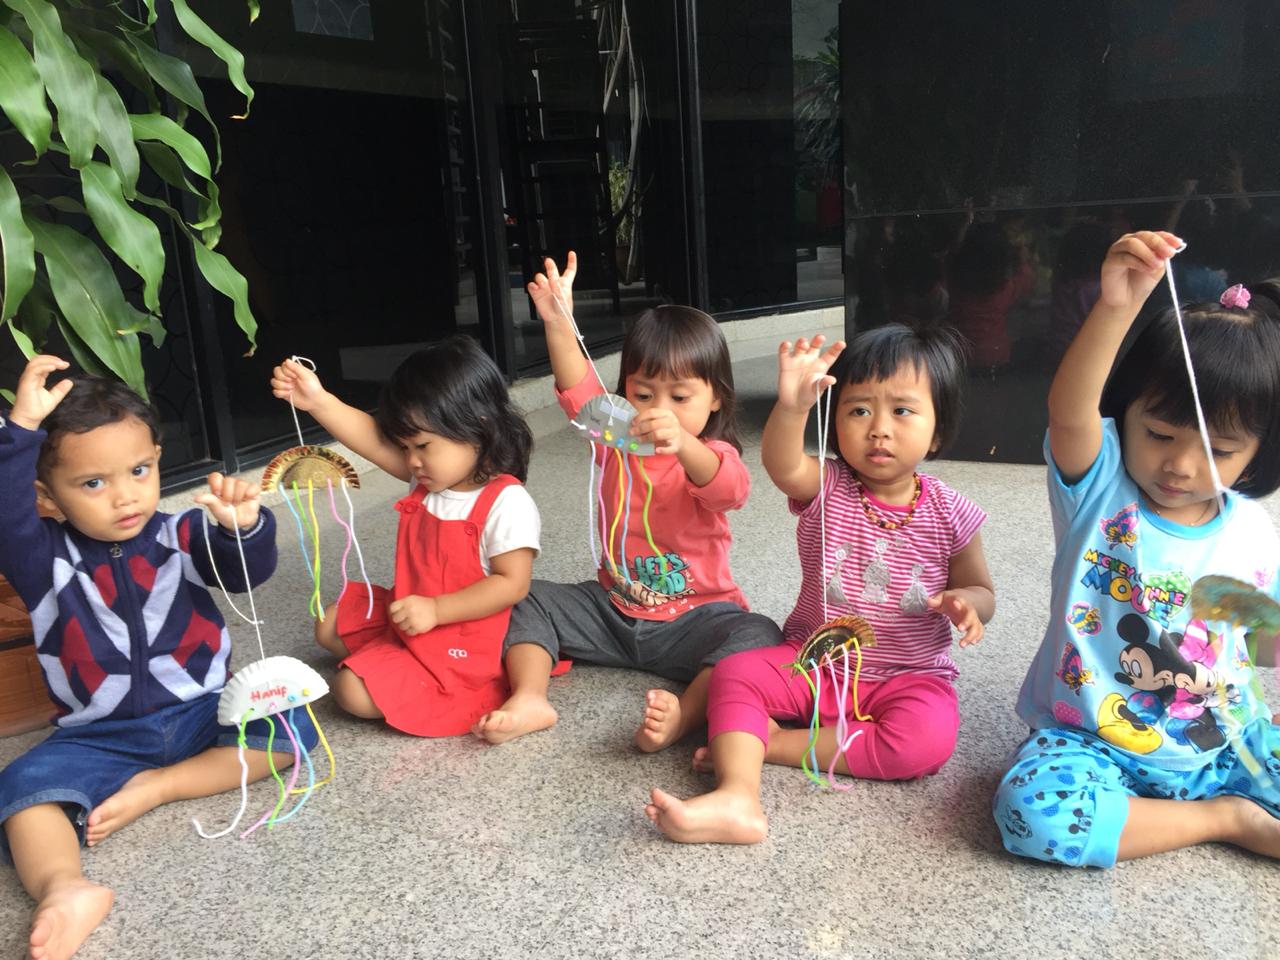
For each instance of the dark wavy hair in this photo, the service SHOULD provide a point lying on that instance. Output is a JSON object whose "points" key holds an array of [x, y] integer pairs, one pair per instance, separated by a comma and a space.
{"points": [[937, 351], [453, 388], [684, 343], [93, 402], [1236, 355]]}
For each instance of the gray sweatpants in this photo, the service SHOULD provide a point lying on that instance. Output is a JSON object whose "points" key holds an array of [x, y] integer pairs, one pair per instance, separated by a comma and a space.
{"points": [[580, 622]]}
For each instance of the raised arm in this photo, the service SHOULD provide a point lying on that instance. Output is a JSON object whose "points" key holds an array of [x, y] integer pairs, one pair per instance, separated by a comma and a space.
{"points": [[802, 368], [1132, 268], [355, 428], [552, 295]]}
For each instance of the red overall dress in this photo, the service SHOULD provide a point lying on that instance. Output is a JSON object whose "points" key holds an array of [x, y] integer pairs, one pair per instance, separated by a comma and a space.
{"points": [[439, 683]]}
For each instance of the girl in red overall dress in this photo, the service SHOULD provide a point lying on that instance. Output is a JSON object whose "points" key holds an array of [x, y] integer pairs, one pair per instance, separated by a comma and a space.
{"points": [[426, 655]]}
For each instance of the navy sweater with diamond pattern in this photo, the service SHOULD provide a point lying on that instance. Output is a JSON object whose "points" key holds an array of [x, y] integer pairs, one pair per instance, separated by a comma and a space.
{"points": [[121, 629]]}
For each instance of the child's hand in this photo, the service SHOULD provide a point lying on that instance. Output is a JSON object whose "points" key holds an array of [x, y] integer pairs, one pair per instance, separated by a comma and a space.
{"points": [[296, 382], [414, 614], [659, 427], [547, 286], [232, 502], [32, 402], [957, 608], [1134, 265], [802, 369]]}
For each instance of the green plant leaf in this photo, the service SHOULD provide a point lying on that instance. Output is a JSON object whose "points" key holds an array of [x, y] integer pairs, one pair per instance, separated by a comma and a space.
{"points": [[90, 300], [81, 352], [124, 60], [228, 281], [205, 35], [19, 249], [175, 76], [156, 126], [254, 9], [22, 340], [69, 77], [37, 313], [22, 92], [166, 164], [116, 134], [133, 236], [9, 396]]}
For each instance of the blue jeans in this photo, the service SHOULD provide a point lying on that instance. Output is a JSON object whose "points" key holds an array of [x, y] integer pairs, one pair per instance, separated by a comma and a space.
{"points": [[1065, 798], [79, 767]]}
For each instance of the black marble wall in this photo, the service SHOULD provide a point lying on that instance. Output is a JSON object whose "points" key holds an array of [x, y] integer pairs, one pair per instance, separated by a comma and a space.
{"points": [[994, 149]]}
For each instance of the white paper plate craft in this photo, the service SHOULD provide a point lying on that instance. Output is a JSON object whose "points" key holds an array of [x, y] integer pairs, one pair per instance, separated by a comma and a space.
{"points": [[270, 689]]}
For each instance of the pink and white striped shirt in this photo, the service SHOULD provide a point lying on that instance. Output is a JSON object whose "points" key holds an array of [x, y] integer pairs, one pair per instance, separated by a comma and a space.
{"points": [[881, 575]]}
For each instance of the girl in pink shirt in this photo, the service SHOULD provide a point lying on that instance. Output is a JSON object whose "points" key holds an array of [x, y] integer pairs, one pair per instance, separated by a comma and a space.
{"points": [[877, 540], [663, 599]]}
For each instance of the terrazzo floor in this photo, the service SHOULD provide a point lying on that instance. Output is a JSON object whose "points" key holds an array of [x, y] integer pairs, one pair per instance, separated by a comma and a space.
{"points": [[456, 849]]}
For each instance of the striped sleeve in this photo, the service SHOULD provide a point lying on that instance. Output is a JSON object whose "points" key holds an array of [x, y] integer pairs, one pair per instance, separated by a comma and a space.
{"points": [[831, 471], [964, 517]]}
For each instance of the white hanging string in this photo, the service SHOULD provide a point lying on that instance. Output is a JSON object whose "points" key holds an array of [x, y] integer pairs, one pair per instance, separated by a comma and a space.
{"points": [[208, 545], [824, 426], [582, 342], [1218, 489], [244, 567], [310, 364]]}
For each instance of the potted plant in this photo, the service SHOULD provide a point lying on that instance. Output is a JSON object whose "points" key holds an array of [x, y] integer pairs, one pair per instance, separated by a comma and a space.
{"points": [[87, 99]]}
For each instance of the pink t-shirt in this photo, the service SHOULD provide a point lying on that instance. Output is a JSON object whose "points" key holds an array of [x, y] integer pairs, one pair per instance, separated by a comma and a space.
{"points": [[881, 575], [687, 526]]}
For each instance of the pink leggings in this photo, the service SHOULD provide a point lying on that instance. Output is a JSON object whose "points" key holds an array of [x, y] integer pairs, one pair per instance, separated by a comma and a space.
{"points": [[914, 722]]}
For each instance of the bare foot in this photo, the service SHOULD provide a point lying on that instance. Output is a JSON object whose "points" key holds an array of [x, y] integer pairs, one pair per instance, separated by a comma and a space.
{"points": [[661, 726], [518, 716], [1254, 829], [65, 918], [716, 817], [143, 792]]}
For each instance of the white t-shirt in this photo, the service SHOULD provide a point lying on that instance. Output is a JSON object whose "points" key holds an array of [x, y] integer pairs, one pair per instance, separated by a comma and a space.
{"points": [[513, 523]]}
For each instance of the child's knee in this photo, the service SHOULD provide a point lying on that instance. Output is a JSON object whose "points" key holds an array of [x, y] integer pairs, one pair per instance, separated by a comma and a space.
{"points": [[350, 693], [1045, 812]]}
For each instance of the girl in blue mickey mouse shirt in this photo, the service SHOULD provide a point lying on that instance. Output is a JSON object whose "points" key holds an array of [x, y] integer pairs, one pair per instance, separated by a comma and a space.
{"points": [[1148, 733]]}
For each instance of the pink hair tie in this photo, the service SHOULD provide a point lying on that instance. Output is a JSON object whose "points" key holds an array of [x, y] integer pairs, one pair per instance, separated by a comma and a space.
{"points": [[1235, 296]]}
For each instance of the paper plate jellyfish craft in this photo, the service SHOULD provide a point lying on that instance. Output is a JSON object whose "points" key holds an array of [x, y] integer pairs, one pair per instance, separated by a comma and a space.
{"points": [[267, 689]]}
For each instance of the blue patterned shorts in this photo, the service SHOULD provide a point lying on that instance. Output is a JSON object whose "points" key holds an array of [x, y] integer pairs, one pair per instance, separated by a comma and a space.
{"points": [[1066, 796]]}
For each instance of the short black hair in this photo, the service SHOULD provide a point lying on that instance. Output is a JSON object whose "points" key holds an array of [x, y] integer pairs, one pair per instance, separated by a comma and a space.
{"points": [[454, 389], [1236, 355], [937, 351], [681, 342], [93, 402]]}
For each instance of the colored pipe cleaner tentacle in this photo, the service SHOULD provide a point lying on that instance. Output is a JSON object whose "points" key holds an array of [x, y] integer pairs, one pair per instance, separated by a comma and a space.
{"points": [[648, 532], [617, 517], [333, 506], [271, 762], [809, 762], [302, 539], [244, 787], [351, 523], [591, 507], [333, 764], [293, 775], [311, 772], [626, 517], [315, 536], [602, 514]]}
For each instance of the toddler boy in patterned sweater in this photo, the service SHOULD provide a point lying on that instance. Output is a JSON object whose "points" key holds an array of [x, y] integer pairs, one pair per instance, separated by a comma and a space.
{"points": [[134, 651]]}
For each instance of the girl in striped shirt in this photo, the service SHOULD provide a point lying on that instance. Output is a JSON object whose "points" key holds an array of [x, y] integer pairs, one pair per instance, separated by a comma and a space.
{"points": [[900, 549]]}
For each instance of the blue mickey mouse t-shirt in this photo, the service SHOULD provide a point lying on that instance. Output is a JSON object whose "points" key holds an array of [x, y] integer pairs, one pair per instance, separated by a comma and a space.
{"points": [[1123, 657]]}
